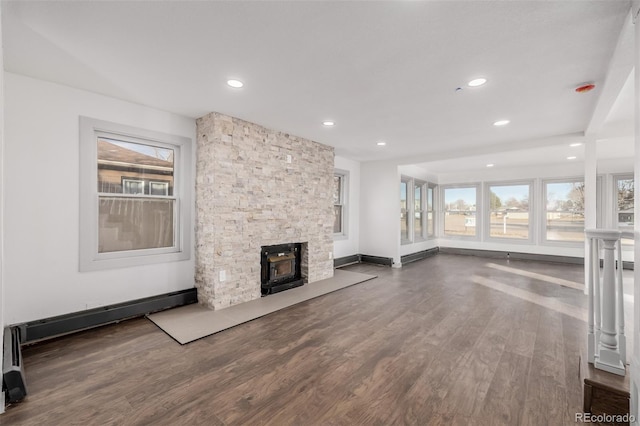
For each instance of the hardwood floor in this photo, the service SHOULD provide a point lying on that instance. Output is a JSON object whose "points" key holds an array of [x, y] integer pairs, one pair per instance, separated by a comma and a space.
{"points": [[438, 342]]}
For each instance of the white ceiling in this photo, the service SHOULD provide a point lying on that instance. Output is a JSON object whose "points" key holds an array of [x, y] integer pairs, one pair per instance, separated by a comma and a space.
{"points": [[382, 70]]}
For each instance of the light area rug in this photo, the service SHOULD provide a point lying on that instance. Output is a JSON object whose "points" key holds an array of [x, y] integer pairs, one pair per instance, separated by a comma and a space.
{"points": [[192, 322]]}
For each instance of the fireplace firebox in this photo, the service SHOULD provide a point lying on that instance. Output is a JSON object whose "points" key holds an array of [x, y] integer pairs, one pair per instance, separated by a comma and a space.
{"points": [[281, 267]]}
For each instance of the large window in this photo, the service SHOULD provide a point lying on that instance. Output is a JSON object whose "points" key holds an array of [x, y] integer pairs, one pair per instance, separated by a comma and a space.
{"points": [[509, 211], [339, 206], [460, 211], [134, 198], [564, 210], [130, 215]]}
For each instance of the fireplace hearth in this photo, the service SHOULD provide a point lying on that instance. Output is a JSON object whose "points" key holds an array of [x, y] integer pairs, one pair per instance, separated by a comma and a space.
{"points": [[280, 268]]}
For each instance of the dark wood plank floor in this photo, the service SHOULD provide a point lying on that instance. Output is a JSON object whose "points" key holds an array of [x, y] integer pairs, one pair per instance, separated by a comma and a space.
{"points": [[432, 343]]}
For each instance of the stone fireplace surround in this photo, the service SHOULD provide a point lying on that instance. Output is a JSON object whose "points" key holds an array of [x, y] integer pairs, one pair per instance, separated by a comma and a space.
{"points": [[249, 195]]}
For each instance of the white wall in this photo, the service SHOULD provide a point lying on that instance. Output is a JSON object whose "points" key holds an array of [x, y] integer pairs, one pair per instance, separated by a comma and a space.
{"points": [[635, 360], [380, 209], [2, 109], [349, 245], [41, 277]]}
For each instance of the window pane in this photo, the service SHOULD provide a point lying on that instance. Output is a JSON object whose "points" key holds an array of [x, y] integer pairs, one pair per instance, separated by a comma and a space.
{"points": [[430, 230], [565, 211], [121, 164], [337, 219], [132, 186], [337, 189], [418, 199], [417, 225], [460, 211], [625, 202], [134, 224], [404, 217], [430, 199], [509, 211]]}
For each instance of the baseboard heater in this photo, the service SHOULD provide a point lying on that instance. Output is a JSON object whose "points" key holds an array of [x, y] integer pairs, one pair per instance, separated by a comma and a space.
{"points": [[63, 324], [13, 382]]}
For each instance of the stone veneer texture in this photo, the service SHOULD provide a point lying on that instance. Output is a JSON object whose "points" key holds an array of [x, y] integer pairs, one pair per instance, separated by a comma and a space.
{"points": [[248, 196]]}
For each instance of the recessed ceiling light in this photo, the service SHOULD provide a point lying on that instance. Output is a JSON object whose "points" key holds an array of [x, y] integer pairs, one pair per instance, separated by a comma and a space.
{"points": [[490, 165], [477, 82], [381, 143], [328, 123], [573, 157], [501, 123], [573, 145], [236, 84]]}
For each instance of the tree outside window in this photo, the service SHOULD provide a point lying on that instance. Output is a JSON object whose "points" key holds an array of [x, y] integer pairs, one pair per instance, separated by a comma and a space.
{"points": [[509, 211], [565, 211]]}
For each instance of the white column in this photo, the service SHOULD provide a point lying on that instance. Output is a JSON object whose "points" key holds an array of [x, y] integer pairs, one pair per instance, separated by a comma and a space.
{"points": [[590, 284], [590, 197], [608, 358], [635, 361]]}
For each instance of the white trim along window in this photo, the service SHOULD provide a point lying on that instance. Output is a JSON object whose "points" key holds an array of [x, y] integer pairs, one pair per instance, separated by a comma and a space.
{"points": [[134, 196]]}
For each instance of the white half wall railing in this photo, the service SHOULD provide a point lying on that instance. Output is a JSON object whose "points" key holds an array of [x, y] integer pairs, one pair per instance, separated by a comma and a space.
{"points": [[607, 344]]}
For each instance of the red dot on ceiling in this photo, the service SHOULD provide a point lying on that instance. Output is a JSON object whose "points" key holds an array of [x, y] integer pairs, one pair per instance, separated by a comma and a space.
{"points": [[585, 88]]}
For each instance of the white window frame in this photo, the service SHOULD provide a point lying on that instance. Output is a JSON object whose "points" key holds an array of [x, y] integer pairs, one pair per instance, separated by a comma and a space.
{"points": [[543, 206], [90, 259], [344, 185], [434, 217], [479, 214], [165, 187], [124, 181], [532, 212]]}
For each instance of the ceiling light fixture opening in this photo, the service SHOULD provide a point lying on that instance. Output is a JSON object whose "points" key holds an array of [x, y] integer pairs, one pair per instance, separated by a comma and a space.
{"points": [[573, 157], [490, 165], [236, 84], [328, 123], [573, 145], [381, 143], [501, 123], [477, 82]]}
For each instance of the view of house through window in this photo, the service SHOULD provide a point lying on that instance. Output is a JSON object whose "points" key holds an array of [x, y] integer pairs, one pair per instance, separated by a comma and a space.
{"points": [[565, 211], [135, 196], [509, 211], [460, 211]]}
